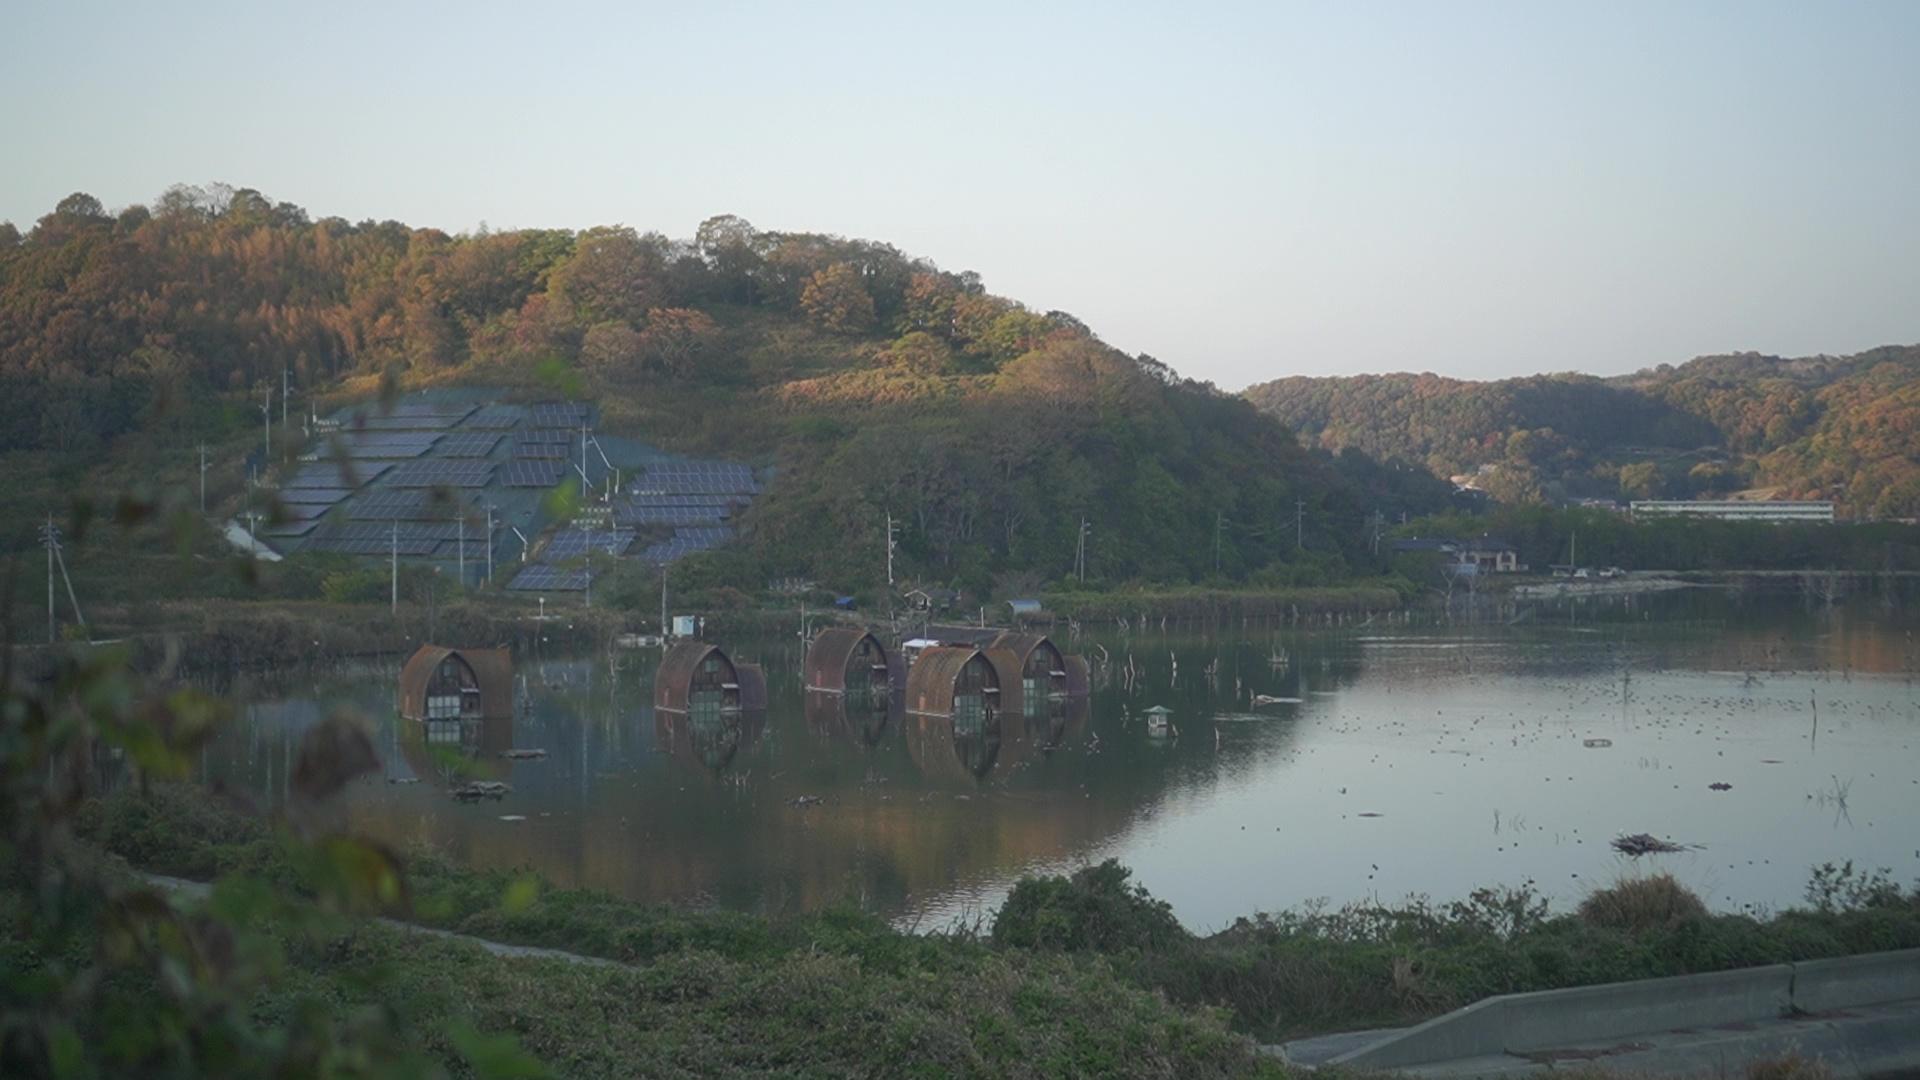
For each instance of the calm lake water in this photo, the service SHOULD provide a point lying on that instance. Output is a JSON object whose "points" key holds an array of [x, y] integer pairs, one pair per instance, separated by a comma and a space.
{"points": [[1408, 759]]}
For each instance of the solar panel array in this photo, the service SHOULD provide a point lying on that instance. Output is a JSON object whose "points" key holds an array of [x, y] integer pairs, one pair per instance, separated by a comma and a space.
{"points": [[530, 473], [625, 513], [335, 474], [543, 578], [573, 543], [687, 542], [377, 444], [467, 444], [558, 415], [400, 423], [412, 504], [495, 418], [696, 478], [563, 437], [441, 472], [313, 496]]}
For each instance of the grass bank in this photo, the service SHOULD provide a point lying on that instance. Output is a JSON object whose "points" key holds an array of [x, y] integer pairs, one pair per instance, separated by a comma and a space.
{"points": [[1273, 975]]}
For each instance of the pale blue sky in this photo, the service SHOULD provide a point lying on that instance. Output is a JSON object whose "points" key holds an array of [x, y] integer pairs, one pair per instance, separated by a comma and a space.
{"points": [[1243, 190]]}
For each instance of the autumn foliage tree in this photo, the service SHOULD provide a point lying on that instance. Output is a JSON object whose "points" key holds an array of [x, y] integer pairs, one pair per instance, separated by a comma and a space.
{"points": [[836, 300]]}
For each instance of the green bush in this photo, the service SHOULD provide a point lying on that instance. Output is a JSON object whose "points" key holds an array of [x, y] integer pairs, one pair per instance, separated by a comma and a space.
{"points": [[1094, 910]]}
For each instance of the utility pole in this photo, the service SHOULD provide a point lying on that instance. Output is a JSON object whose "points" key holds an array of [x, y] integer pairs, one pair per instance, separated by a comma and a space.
{"points": [[50, 537], [489, 543], [1219, 523], [283, 396], [1377, 518], [1299, 523], [203, 478], [461, 520], [393, 561], [266, 413], [890, 545], [1080, 555], [664, 627]]}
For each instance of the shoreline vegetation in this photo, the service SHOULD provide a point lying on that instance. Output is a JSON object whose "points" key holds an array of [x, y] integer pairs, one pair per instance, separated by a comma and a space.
{"points": [[1080, 974]]}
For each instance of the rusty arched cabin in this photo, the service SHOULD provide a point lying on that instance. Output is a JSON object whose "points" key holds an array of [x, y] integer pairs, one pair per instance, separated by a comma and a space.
{"points": [[954, 681], [695, 677], [1031, 667], [439, 683], [844, 660]]}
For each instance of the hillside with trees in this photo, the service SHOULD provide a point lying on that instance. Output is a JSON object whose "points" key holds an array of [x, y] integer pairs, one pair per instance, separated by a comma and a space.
{"points": [[867, 381], [1842, 428]]}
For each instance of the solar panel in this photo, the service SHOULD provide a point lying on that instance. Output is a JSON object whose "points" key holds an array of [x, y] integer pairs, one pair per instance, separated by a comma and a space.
{"points": [[664, 499], [628, 514], [345, 474], [386, 545], [411, 504], [545, 451], [573, 543], [430, 531], [313, 496], [302, 511], [530, 473], [450, 549], [543, 578], [708, 537], [536, 435], [290, 528], [466, 444], [441, 472], [411, 422], [563, 415], [494, 418], [376, 444]]}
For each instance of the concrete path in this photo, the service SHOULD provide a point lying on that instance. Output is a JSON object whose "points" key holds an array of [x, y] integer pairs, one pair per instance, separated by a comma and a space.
{"points": [[1860, 1015]]}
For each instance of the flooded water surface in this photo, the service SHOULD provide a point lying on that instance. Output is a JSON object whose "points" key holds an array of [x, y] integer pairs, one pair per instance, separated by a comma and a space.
{"points": [[1766, 736]]}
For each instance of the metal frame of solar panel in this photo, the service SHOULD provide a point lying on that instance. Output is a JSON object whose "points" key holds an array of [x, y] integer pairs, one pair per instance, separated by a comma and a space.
{"points": [[573, 543], [542, 474], [538, 577], [441, 472], [327, 474], [466, 444]]}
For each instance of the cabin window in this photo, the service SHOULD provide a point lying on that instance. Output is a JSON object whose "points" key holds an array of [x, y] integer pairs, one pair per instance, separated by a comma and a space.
{"points": [[443, 706]]}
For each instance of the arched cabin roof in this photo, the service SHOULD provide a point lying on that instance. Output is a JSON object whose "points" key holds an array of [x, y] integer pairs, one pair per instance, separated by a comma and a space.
{"points": [[1008, 669], [1079, 676], [753, 685], [931, 682], [1022, 645], [830, 652], [673, 679], [492, 672]]}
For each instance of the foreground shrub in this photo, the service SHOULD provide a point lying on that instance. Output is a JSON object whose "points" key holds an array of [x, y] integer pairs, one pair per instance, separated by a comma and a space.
{"points": [[1094, 910], [1640, 904]]}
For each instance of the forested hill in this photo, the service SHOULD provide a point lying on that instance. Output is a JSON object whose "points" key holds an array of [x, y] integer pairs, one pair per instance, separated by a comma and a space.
{"points": [[872, 382], [1845, 428]]}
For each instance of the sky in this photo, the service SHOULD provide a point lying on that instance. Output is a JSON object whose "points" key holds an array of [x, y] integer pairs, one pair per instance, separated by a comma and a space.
{"points": [[1244, 191]]}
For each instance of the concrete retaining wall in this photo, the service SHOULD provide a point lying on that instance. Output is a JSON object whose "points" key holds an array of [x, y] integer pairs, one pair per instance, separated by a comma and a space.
{"points": [[1552, 1019]]}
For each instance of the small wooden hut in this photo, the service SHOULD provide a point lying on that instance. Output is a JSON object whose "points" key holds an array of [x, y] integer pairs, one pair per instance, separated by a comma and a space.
{"points": [[845, 660], [955, 682], [440, 683], [695, 676]]}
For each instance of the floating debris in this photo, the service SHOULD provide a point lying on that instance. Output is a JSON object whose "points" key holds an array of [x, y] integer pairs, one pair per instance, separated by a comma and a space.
{"points": [[513, 817], [1720, 785], [807, 800], [1369, 813], [1596, 744], [403, 779], [1640, 844], [481, 789], [522, 755], [1269, 699]]}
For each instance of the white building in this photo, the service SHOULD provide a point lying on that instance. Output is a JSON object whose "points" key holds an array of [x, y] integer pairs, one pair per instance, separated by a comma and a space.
{"points": [[1734, 510]]}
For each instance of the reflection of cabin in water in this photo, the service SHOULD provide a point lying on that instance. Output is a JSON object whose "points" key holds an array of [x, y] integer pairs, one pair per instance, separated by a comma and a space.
{"points": [[955, 682], [844, 660], [696, 677], [439, 683]]}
